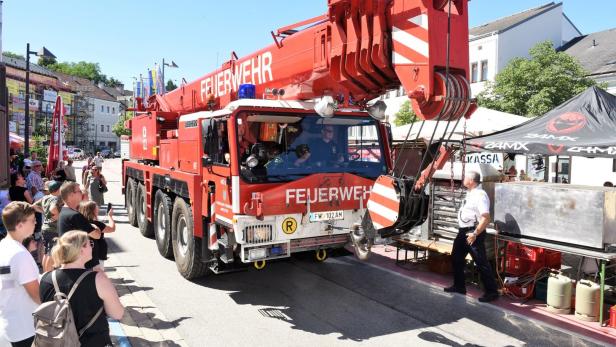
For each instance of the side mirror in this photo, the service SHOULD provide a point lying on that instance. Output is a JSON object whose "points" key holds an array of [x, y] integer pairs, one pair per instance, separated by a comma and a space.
{"points": [[206, 161]]}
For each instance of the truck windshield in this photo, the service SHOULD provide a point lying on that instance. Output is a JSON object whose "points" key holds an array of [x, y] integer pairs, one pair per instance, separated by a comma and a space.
{"points": [[278, 148]]}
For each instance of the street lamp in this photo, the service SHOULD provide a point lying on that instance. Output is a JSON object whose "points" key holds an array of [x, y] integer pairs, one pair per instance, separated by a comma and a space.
{"points": [[172, 65], [43, 52]]}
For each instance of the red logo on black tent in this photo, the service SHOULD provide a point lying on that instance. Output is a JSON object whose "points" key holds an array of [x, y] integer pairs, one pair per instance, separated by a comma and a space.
{"points": [[555, 149], [566, 123]]}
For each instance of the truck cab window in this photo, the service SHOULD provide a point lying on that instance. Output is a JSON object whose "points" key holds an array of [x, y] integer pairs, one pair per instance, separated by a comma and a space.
{"points": [[215, 140]]}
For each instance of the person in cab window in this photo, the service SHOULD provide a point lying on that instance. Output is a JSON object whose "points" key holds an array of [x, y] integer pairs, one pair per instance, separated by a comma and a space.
{"points": [[222, 155], [323, 151]]}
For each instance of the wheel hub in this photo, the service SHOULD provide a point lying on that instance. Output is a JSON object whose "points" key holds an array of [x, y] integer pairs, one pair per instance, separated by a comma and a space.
{"points": [[160, 221], [183, 236]]}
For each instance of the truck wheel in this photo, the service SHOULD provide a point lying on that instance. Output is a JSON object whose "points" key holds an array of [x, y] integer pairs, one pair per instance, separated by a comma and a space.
{"points": [[186, 247], [145, 227], [162, 224], [129, 202]]}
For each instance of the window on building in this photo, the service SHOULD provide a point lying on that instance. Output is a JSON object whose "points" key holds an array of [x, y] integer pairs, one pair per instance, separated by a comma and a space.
{"points": [[107, 128], [108, 109], [113, 110], [484, 70], [102, 108], [102, 128], [473, 72]]}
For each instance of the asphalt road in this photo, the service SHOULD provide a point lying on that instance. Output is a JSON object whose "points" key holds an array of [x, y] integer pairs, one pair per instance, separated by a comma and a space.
{"points": [[299, 302]]}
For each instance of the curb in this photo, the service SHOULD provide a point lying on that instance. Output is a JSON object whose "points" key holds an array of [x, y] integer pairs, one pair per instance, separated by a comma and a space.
{"points": [[143, 323]]}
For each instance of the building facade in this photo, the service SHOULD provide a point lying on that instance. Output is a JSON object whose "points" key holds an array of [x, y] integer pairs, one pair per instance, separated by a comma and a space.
{"points": [[44, 88], [493, 45], [105, 112]]}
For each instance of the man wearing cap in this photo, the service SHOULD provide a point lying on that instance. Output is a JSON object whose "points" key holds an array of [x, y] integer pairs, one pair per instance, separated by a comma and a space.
{"points": [[51, 205]]}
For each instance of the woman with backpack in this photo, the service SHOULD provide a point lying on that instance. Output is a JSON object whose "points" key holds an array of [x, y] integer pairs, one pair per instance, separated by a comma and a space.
{"points": [[93, 299]]}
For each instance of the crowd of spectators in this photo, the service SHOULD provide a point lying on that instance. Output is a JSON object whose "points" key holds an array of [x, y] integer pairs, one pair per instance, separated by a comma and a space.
{"points": [[51, 225]]}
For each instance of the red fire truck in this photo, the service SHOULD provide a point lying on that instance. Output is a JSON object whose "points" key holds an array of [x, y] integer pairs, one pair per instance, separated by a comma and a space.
{"points": [[277, 152]]}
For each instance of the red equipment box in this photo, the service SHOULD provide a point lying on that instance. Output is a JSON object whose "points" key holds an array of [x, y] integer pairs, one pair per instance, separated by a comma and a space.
{"points": [[521, 260]]}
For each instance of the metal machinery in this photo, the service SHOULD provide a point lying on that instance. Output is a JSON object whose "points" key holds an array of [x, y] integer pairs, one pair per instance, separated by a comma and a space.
{"points": [[226, 170]]}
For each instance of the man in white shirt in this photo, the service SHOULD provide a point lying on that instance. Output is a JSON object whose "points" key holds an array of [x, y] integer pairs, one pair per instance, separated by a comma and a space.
{"points": [[98, 160], [473, 218], [19, 276]]}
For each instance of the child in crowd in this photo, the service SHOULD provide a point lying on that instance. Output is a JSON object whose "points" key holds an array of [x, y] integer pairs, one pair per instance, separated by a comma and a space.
{"points": [[89, 209]]}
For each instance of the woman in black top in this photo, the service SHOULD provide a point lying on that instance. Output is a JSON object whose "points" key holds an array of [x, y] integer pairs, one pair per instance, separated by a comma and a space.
{"points": [[89, 209], [72, 251], [18, 190]]}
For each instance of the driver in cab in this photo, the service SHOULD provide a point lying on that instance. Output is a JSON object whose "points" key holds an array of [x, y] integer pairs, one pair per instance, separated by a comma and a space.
{"points": [[321, 152]]}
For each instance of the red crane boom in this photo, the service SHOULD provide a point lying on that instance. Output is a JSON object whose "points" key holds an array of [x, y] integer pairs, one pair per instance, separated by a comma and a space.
{"points": [[355, 52]]}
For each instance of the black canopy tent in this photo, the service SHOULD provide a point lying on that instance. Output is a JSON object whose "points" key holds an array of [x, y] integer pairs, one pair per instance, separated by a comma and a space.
{"points": [[583, 126]]}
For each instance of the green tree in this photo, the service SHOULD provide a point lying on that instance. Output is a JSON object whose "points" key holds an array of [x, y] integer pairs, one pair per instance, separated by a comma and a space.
{"points": [[113, 82], [46, 61], [532, 87], [118, 128], [405, 115], [170, 86], [83, 69], [13, 55]]}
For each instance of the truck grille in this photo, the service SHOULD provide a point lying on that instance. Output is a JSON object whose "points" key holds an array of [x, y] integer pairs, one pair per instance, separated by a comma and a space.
{"points": [[258, 233]]}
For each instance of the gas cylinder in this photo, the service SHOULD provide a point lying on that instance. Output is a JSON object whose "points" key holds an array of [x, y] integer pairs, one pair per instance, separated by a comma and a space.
{"points": [[587, 301], [559, 294]]}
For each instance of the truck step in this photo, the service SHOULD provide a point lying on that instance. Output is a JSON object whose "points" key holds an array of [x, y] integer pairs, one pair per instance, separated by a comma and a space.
{"points": [[218, 268], [225, 258]]}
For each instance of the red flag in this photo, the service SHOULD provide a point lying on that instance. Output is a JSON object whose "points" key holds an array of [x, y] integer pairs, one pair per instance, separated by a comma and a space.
{"points": [[56, 140]]}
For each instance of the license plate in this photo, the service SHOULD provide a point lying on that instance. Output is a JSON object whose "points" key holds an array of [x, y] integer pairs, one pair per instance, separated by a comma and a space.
{"points": [[323, 216]]}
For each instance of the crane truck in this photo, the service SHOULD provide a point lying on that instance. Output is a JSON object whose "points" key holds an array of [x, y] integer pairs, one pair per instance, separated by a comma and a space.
{"points": [[283, 150]]}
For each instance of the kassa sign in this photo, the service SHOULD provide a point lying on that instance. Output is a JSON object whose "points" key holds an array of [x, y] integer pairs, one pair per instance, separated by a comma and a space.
{"points": [[494, 159]]}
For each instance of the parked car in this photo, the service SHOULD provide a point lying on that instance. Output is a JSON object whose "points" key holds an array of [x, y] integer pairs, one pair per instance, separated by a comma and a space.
{"points": [[106, 153], [76, 153], [117, 154]]}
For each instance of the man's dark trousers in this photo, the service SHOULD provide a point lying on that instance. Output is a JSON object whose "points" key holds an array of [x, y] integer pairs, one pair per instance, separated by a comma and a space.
{"points": [[478, 252]]}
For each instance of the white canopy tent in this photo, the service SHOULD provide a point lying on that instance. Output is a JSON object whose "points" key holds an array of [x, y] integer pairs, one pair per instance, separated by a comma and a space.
{"points": [[484, 121]]}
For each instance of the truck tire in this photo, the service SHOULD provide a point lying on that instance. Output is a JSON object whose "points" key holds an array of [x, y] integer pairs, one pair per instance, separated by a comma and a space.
{"points": [[129, 198], [162, 224], [186, 247], [145, 227]]}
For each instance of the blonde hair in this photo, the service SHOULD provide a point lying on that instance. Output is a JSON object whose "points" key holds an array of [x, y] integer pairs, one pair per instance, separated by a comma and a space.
{"points": [[68, 247], [88, 209]]}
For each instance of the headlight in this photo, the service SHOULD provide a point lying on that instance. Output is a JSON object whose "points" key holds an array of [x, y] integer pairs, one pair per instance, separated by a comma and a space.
{"points": [[252, 161]]}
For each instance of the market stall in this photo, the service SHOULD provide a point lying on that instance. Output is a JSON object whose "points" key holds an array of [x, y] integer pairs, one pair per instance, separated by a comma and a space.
{"points": [[571, 219]]}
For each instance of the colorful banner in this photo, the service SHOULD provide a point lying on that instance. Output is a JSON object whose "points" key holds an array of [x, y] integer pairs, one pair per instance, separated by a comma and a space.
{"points": [[67, 98], [154, 80]]}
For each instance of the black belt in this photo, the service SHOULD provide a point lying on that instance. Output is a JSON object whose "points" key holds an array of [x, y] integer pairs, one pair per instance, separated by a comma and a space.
{"points": [[5, 270], [466, 229]]}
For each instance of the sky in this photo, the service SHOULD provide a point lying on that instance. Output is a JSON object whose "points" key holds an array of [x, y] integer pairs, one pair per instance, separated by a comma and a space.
{"points": [[126, 37]]}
